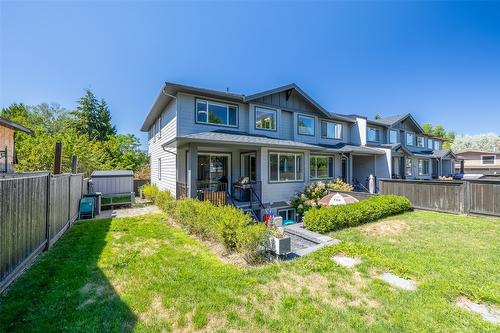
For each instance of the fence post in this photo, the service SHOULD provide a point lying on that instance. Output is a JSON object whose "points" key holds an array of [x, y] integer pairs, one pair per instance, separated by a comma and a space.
{"points": [[69, 201], [47, 214], [467, 197]]}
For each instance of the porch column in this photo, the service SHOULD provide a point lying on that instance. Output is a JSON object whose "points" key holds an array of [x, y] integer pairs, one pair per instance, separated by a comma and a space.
{"points": [[192, 175]]}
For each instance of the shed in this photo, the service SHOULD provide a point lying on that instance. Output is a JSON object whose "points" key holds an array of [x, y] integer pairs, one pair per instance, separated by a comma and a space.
{"points": [[112, 181]]}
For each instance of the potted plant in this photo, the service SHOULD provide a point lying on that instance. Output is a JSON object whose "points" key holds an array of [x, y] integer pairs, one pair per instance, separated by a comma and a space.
{"points": [[279, 243]]}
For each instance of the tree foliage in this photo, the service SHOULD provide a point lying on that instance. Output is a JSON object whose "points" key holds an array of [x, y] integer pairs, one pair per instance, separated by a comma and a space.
{"points": [[482, 142], [86, 132], [439, 131]]}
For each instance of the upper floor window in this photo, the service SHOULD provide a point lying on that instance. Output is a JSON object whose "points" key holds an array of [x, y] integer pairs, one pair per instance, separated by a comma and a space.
{"points": [[423, 167], [420, 142], [331, 130], [430, 144], [305, 125], [215, 113], [265, 118], [409, 138], [393, 136], [320, 167], [285, 167], [373, 134], [488, 159], [437, 145]]}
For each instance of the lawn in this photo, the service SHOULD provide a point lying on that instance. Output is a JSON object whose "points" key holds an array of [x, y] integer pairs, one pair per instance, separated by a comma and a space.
{"points": [[139, 274]]}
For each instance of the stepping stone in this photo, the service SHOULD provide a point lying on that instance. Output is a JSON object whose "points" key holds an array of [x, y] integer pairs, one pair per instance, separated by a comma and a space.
{"points": [[398, 282], [345, 261], [489, 314]]}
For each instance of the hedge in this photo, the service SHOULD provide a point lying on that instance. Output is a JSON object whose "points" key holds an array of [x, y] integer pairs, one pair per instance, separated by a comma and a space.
{"points": [[225, 224], [331, 218]]}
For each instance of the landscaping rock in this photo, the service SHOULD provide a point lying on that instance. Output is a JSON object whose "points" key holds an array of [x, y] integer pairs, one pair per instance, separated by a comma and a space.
{"points": [[486, 312], [345, 261], [398, 282]]}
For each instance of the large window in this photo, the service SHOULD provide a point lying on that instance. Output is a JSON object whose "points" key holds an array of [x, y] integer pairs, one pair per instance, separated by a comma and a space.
{"points": [[423, 167], [265, 118], [208, 112], [320, 167], [420, 142], [331, 130], [393, 136], [285, 167], [373, 134], [305, 125], [213, 168], [408, 167], [409, 138], [430, 144], [488, 159]]}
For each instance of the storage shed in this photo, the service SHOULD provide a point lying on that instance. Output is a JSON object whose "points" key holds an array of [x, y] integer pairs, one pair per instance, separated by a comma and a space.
{"points": [[116, 186]]}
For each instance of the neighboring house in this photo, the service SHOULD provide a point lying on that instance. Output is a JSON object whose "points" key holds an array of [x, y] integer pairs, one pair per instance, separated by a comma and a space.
{"points": [[280, 139], [479, 162], [7, 139]]}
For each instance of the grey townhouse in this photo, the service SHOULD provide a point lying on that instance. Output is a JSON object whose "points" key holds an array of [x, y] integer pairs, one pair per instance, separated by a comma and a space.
{"points": [[257, 151]]}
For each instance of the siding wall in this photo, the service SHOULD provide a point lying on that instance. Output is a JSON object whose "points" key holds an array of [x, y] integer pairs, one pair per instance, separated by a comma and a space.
{"points": [[7, 140], [155, 151]]}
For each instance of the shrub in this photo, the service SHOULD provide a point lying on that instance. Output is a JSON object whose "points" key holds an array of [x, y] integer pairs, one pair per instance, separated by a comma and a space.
{"points": [[225, 224], [326, 219], [313, 193]]}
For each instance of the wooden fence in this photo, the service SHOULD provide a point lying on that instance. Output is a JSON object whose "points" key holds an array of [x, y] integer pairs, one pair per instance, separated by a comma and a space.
{"points": [[35, 210], [459, 197]]}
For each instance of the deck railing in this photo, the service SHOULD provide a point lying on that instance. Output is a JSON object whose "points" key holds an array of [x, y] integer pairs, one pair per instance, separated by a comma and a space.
{"points": [[215, 192]]}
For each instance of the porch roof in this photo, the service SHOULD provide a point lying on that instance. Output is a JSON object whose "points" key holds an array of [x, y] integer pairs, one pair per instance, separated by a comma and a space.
{"points": [[348, 148], [233, 137]]}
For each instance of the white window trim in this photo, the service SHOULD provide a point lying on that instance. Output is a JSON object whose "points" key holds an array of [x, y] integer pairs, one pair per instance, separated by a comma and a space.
{"points": [[275, 119], [295, 158], [229, 162], [494, 159], [431, 142], [336, 137], [411, 167], [423, 141], [368, 133], [428, 167], [406, 138], [227, 105], [316, 166]]}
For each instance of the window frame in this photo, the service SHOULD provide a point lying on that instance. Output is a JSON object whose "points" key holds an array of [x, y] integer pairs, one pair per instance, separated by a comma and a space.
{"points": [[368, 133], [209, 101], [412, 140], [330, 164], [275, 117], [437, 142], [494, 159], [423, 141], [335, 124], [294, 212], [393, 131], [411, 167], [428, 168], [430, 142], [306, 116], [302, 162]]}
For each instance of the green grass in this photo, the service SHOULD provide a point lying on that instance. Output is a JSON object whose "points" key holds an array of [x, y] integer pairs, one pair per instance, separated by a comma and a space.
{"points": [[138, 274]]}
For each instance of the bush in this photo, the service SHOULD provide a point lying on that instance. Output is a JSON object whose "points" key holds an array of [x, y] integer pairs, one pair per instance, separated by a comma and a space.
{"points": [[314, 192], [331, 218], [225, 224]]}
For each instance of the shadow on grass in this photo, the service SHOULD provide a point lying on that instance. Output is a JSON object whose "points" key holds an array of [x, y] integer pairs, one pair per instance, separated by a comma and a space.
{"points": [[66, 290]]}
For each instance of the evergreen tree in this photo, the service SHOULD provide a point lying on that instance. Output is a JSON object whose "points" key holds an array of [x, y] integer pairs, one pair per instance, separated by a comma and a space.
{"points": [[104, 127], [86, 112]]}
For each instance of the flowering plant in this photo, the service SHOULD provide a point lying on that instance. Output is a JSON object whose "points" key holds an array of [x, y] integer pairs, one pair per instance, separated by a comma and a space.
{"points": [[314, 192]]}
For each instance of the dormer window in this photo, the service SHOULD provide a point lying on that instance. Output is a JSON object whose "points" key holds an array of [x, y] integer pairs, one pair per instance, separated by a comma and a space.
{"points": [[215, 113], [409, 138], [420, 142], [373, 134], [393, 136]]}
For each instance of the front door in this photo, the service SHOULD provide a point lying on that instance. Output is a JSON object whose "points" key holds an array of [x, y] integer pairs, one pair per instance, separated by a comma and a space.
{"points": [[249, 166], [344, 170]]}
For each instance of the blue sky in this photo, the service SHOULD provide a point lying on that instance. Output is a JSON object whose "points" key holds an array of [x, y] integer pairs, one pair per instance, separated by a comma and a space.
{"points": [[440, 61]]}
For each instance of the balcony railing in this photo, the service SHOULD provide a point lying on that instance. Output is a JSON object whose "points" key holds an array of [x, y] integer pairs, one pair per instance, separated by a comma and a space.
{"points": [[215, 192]]}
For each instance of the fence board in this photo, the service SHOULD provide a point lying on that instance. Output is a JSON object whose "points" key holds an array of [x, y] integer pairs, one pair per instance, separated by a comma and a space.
{"points": [[459, 197], [25, 213]]}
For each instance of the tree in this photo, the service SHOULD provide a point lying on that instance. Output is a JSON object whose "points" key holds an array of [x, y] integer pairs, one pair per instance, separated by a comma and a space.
{"points": [[439, 132], [104, 127], [377, 116], [94, 117], [482, 142]]}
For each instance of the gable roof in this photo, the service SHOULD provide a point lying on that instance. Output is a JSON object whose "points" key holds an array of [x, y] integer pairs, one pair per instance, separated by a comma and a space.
{"points": [[293, 86], [15, 126], [394, 119]]}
